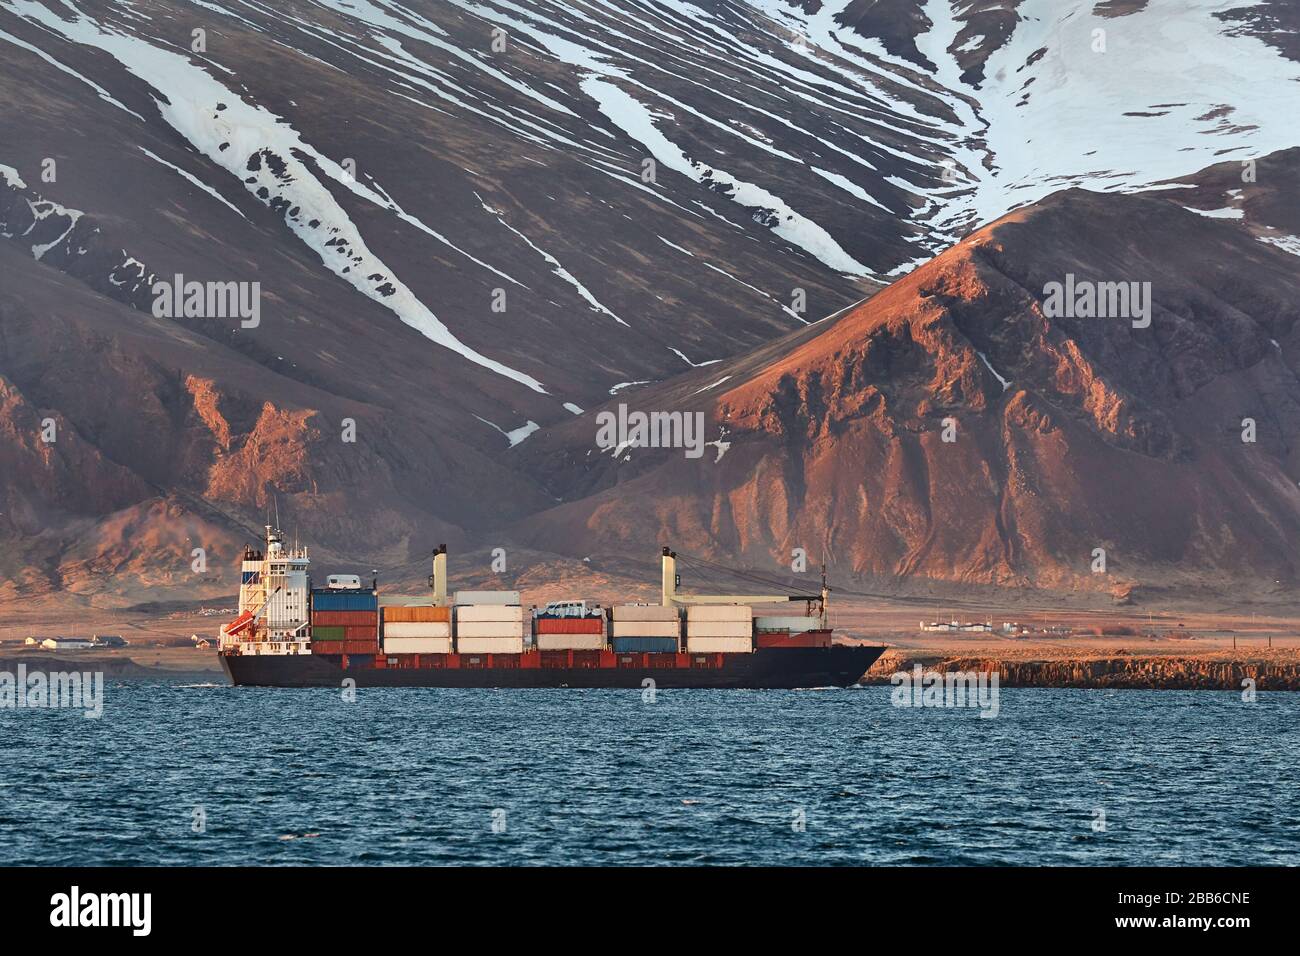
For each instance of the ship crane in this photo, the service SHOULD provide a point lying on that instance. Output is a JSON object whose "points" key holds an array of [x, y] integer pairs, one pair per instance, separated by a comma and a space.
{"points": [[671, 598]]}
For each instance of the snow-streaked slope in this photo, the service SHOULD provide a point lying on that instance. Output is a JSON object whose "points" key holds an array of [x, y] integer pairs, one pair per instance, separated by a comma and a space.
{"points": [[1174, 91], [244, 138], [797, 148]]}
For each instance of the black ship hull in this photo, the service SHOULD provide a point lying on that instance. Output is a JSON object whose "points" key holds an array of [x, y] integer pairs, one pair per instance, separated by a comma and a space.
{"points": [[840, 665]]}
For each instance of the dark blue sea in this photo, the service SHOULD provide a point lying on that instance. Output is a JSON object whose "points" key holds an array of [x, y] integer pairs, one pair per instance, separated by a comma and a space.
{"points": [[183, 773]]}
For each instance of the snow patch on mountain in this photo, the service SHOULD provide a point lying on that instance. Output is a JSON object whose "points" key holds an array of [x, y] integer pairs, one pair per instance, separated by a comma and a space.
{"points": [[190, 177], [263, 151], [1172, 92], [514, 435], [102, 93], [631, 116]]}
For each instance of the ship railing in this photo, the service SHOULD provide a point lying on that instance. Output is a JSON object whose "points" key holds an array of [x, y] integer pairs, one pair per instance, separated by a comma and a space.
{"points": [[280, 648]]}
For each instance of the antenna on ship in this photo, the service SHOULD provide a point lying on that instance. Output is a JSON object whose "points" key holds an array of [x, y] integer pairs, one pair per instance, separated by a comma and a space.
{"points": [[826, 595]]}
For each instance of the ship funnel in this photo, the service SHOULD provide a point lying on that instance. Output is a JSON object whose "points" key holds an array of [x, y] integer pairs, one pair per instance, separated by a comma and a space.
{"points": [[438, 580], [669, 578]]}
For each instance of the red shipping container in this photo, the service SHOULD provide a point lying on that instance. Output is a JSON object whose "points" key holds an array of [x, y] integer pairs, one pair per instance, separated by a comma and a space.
{"points": [[570, 625], [367, 633], [345, 619], [360, 647], [786, 639]]}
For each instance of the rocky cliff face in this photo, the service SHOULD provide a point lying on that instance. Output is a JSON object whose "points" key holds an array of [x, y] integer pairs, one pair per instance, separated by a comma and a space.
{"points": [[951, 428]]}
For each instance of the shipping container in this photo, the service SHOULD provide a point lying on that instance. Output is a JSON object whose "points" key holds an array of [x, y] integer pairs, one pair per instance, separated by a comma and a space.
{"points": [[485, 597], [576, 642], [417, 629], [719, 612], [791, 639], [327, 633], [417, 645], [671, 629], [644, 612], [345, 619], [490, 612], [644, 645], [570, 609], [570, 625], [719, 629], [369, 632], [723, 645], [489, 629], [360, 647], [409, 613], [490, 645], [795, 625], [344, 601]]}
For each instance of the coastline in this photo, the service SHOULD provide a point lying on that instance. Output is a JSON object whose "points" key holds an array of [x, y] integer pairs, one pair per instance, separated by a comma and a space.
{"points": [[1146, 672], [1115, 649]]}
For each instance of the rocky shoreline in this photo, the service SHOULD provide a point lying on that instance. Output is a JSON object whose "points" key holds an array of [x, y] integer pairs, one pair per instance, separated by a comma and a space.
{"points": [[1108, 672]]}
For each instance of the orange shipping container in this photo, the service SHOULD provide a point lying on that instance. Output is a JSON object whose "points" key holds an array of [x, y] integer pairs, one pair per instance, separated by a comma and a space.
{"points": [[413, 614], [570, 625]]}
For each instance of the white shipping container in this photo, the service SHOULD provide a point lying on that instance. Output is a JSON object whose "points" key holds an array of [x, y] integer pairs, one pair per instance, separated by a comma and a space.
{"points": [[719, 629], [719, 645], [644, 612], [485, 597], [795, 625], [565, 642], [490, 645], [490, 612], [417, 645], [719, 612], [647, 629], [417, 629], [489, 629]]}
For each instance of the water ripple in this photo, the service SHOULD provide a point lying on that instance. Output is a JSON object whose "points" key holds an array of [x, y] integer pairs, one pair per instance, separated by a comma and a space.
{"points": [[284, 777]]}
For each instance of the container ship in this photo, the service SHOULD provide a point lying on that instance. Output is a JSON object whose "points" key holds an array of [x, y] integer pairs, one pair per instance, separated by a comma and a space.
{"points": [[291, 634]]}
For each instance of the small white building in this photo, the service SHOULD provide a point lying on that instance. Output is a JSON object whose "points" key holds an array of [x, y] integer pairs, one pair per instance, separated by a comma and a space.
{"points": [[66, 644]]}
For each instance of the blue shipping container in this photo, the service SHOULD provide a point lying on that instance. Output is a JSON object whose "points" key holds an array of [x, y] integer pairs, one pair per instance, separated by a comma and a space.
{"points": [[344, 601], [643, 645]]}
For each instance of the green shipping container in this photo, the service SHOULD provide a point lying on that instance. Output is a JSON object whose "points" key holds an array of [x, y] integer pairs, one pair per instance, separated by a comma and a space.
{"points": [[327, 633]]}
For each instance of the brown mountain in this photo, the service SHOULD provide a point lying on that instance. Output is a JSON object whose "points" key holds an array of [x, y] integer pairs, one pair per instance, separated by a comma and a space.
{"points": [[1070, 434], [391, 173]]}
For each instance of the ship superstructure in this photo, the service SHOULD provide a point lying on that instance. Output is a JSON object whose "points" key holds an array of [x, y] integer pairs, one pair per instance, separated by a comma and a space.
{"points": [[274, 601]]}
